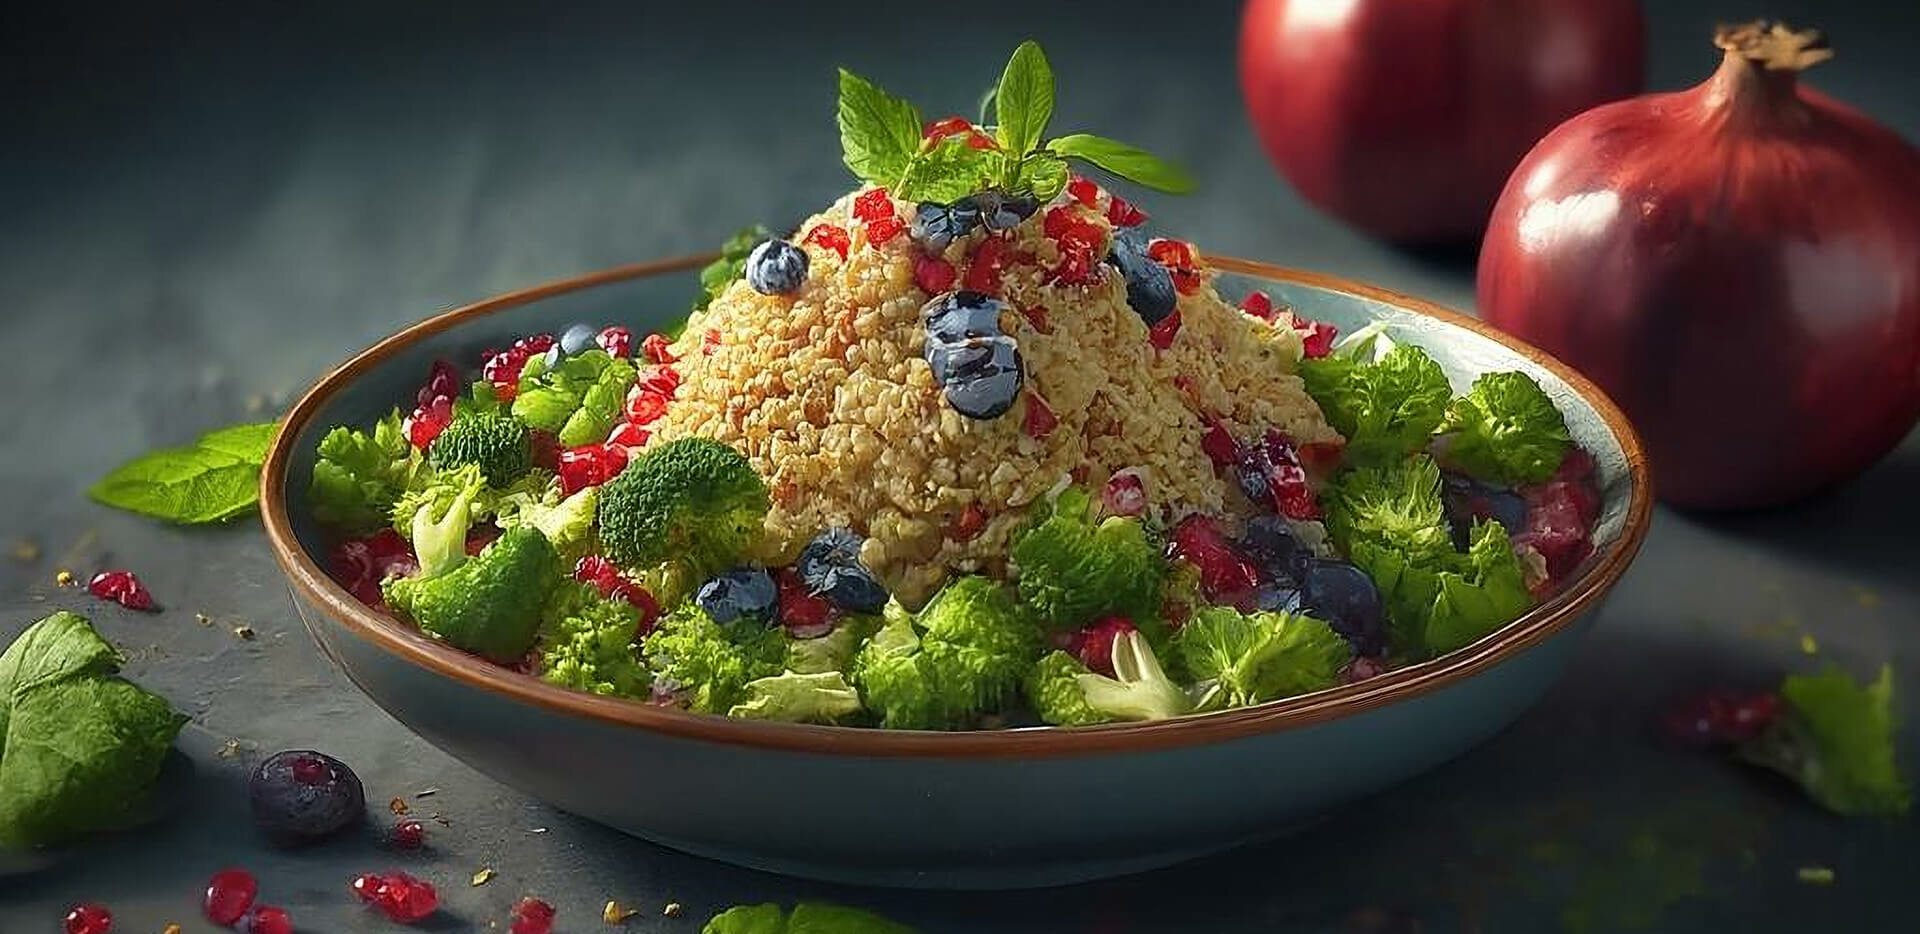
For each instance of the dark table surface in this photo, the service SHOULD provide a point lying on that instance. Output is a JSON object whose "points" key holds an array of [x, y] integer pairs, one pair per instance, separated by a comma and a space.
{"points": [[204, 211]]}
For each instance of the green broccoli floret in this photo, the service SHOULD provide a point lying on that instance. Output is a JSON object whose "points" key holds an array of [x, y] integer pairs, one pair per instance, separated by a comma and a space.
{"points": [[1074, 569], [1065, 693], [566, 521], [707, 665], [1836, 739], [833, 651], [497, 444], [1436, 605], [1244, 659], [577, 400], [964, 658], [1397, 505], [1506, 430], [437, 516], [792, 697], [694, 500], [1386, 399], [1054, 691], [489, 605], [359, 476], [587, 643]]}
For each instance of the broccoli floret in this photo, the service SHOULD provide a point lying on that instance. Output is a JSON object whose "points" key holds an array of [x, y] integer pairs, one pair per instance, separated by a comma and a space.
{"points": [[1243, 659], [1054, 691], [587, 643], [1074, 569], [1387, 400], [576, 400], [1397, 505], [707, 665], [566, 521], [1436, 605], [965, 657], [489, 605], [437, 516], [497, 444], [359, 476], [1065, 693], [694, 500], [1505, 429], [792, 697]]}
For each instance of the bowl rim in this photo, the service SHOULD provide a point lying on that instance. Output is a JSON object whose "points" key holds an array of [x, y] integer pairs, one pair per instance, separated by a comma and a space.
{"points": [[311, 584]]}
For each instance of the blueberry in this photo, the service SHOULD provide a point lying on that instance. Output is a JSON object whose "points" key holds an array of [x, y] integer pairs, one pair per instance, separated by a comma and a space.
{"points": [[300, 796], [554, 356], [982, 375], [1277, 597], [1001, 211], [936, 225], [1347, 599], [830, 566], [776, 267], [742, 593], [956, 316], [579, 338], [1149, 286], [1271, 543], [1468, 500]]}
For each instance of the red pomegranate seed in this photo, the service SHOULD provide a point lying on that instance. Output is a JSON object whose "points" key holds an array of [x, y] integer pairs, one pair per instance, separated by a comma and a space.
{"points": [[1218, 444], [426, 422], [1225, 577], [593, 568], [535, 343], [1123, 213], [709, 342], [828, 237], [616, 341], [1178, 257], [1316, 337], [1084, 191], [1040, 420], [1362, 668], [1037, 316], [530, 916], [1161, 335], [932, 274], [399, 896], [645, 406], [589, 465], [658, 348], [884, 230], [367, 885], [629, 435], [229, 894], [662, 379], [939, 130], [443, 382], [968, 524], [121, 587], [89, 918], [804, 613], [408, 835], [1125, 494], [873, 205], [1259, 305], [268, 919], [989, 261], [1754, 714], [1093, 645]]}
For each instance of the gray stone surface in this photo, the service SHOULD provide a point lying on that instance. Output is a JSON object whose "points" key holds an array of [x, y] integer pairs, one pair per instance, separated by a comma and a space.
{"points": [[203, 209]]}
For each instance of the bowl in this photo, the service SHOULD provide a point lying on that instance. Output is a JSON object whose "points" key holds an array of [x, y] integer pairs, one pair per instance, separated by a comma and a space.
{"points": [[1000, 809]]}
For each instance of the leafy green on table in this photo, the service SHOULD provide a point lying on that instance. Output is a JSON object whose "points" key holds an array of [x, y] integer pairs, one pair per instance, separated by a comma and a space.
{"points": [[79, 745], [806, 918], [1835, 738], [881, 142], [211, 480]]}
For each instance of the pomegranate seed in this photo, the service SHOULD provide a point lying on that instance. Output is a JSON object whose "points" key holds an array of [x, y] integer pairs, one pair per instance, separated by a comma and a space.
{"points": [[592, 569], [885, 229], [1362, 668], [121, 587], [1703, 720], [804, 613], [89, 918], [408, 835], [443, 382], [1123, 213], [662, 379], [1079, 240], [709, 342], [1259, 305], [968, 524], [268, 919], [616, 341], [1124, 495], [229, 894], [1219, 445], [939, 130], [828, 237], [629, 435], [1178, 257], [989, 261], [399, 896], [535, 343], [1093, 645], [1270, 470], [645, 406], [530, 916], [1225, 577], [1161, 335], [426, 422], [1040, 420], [1083, 191], [1754, 714], [589, 465], [658, 348], [1037, 316], [367, 886], [932, 274], [1316, 337], [873, 205]]}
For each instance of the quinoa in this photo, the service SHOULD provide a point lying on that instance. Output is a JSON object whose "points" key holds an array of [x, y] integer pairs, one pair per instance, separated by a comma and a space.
{"points": [[826, 392]]}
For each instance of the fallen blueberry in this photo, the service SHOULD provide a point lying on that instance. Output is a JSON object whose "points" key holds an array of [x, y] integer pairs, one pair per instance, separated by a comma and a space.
{"points": [[742, 593], [776, 267], [830, 566], [300, 796]]}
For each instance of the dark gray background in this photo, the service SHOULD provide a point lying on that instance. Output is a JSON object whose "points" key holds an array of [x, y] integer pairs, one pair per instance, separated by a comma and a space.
{"points": [[205, 210]]}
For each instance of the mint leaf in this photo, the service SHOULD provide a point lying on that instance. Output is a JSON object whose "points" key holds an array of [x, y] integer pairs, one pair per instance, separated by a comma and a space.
{"points": [[766, 918], [878, 132], [1129, 162], [213, 479], [947, 172], [1023, 99], [1044, 173], [824, 918], [59, 646]]}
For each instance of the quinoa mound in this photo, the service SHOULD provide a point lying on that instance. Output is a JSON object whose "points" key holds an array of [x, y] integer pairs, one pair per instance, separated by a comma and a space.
{"points": [[826, 392]]}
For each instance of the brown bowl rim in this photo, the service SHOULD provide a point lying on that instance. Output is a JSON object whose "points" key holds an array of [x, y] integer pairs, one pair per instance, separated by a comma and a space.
{"points": [[312, 584]]}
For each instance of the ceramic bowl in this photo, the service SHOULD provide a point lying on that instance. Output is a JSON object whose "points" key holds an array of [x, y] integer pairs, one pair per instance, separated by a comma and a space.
{"points": [[1001, 809]]}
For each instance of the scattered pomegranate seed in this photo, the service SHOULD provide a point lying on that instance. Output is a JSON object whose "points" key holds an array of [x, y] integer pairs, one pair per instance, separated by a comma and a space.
{"points": [[1123, 213], [629, 436], [502, 369], [1040, 420], [536, 343], [366, 885], [361, 564], [932, 274], [658, 348], [804, 613], [1259, 305], [1161, 335], [408, 835], [1093, 645], [968, 524], [310, 770], [229, 894], [399, 896], [1084, 191], [268, 919], [1316, 337], [612, 584], [1178, 257], [616, 341], [663, 379], [873, 205], [1225, 576], [1125, 494], [988, 263], [589, 465], [645, 406], [939, 130], [1037, 316], [884, 229], [829, 237], [89, 918], [1719, 717], [1270, 469], [709, 342], [530, 916], [121, 587], [1218, 444]]}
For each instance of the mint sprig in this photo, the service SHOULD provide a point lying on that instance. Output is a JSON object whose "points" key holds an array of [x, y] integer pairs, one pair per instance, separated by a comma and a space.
{"points": [[880, 136], [214, 479]]}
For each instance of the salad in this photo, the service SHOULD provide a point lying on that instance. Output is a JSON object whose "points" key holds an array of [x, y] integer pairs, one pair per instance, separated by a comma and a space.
{"points": [[972, 447]]}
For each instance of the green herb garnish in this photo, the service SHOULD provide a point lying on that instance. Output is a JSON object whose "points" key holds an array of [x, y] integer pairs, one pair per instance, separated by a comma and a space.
{"points": [[1835, 738], [881, 141], [214, 479]]}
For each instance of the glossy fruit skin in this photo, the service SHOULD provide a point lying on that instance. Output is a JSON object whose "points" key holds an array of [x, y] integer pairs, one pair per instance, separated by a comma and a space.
{"points": [[1738, 266], [776, 267], [742, 593], [300, 796], [1404, 117], [830, 566]]}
